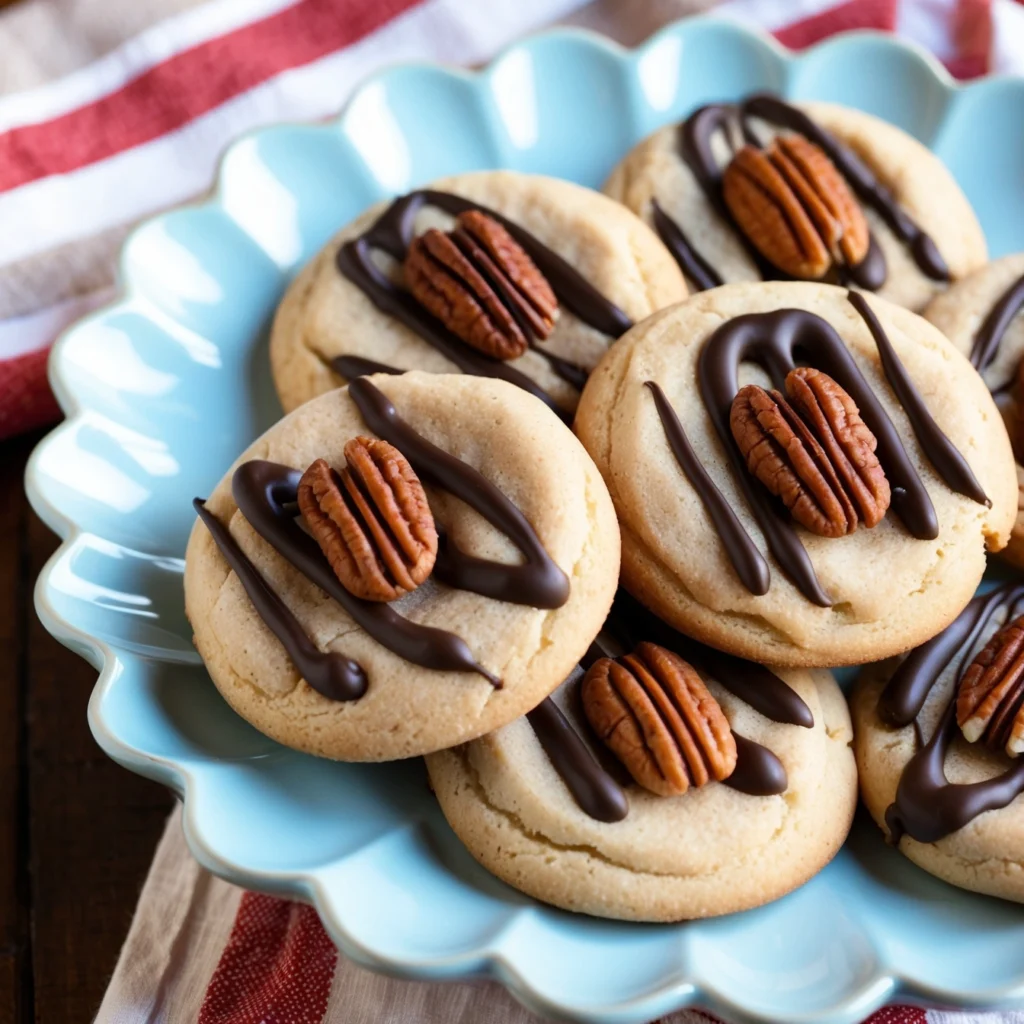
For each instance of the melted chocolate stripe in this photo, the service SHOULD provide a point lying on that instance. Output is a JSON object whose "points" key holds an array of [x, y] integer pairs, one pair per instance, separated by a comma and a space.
{"points": [[593, 789], [692, 264], [748, 562], [351, 367], [261, 490], [941, 452], [758, 771], [328, 672], [695, 135], [860, 178], [928, 806], [908, 688], [539, 582], [990, 334], [630, 622]]}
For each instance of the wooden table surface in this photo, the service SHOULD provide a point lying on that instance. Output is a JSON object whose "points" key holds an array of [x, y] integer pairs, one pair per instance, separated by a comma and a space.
{"points": [[77, 831]]}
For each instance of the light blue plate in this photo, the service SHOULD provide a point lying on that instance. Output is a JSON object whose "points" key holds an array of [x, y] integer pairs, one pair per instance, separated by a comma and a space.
{"points": [[165, 387]]}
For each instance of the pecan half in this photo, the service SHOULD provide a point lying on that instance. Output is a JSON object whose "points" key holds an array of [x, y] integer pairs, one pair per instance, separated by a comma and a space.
{"points": [[482, 285], [823, 466], [990, 701], [850, 446], [371, 520], [795, 207], [655, 714]]}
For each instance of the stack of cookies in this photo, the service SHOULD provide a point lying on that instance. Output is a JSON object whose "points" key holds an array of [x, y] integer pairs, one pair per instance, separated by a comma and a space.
{"points": [[582, 497]]}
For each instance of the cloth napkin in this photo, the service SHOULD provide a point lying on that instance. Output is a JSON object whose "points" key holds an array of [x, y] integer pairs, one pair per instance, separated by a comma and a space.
{"points": [[113, 109]]}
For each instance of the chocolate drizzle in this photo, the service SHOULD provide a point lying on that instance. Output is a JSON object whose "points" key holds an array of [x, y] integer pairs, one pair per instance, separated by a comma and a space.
{"points": [[758, 771], [941, 452], [328, 672], [695, 147], [860, 178], [775, 340], [746, 559], [351, 367], [927, 805], [692, 264], [264, 492], [594, 790], [630, 622], [990, 334], [394, 230], [538, 582]]}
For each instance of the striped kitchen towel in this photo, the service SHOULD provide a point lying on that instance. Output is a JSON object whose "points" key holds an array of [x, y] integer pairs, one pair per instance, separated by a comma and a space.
{"points": [[89, 149]]}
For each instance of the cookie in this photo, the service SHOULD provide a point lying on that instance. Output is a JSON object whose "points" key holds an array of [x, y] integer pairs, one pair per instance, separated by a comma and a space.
{"points": [[814, 191], [981, 317], [364, 624], [589, 268], [747, 783], [938, 742], [796, 530]]}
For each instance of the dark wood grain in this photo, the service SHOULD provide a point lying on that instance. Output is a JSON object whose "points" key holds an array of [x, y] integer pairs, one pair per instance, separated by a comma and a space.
{"points": [[77, 832], [15, 954]]}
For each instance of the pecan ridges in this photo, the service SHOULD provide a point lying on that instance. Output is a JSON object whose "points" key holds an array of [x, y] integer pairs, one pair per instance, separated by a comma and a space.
{"points": [[656, 715], [371, 520], [814, 452], [795, 207], [990, 700], [482, 285]]}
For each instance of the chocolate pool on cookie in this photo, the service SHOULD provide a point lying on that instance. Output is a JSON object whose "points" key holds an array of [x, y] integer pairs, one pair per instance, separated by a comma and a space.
{"points": [[400, 566], [803, 475], [764, 189], [494, 274]]}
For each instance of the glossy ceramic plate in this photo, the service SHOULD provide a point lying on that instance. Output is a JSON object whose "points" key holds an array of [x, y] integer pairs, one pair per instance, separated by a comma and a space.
{"points": [[166, 386]]}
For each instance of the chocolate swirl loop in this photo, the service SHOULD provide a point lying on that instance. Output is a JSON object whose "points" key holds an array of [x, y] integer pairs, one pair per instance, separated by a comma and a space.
{"points": [[262, 490], [695, 138], [775, 341], [927, 806], [538, 582]]}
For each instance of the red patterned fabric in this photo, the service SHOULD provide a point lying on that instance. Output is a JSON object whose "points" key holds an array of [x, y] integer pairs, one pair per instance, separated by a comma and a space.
{"points": [[162, 100], [276, 968]]}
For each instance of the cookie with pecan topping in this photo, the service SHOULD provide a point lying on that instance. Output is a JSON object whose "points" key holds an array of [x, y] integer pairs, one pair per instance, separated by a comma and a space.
{"points": [[938, 748], [680, 851], [492, 273], [401, 565], [982, 316], [818, 482], [814, 191]]}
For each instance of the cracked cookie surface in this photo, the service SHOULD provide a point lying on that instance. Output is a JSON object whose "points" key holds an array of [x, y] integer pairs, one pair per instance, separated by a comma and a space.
{"points": [[324, 315], [710, 851], [889, 589], [519, 446]]}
